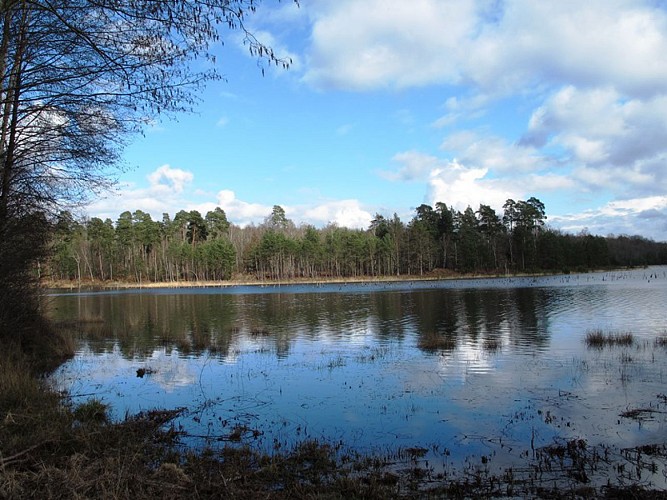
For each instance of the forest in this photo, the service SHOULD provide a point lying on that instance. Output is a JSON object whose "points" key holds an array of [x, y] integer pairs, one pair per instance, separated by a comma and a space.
{"points": [[191, 247]]}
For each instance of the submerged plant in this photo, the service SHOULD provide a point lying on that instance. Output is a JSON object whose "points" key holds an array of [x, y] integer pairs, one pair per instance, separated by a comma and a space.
{"points": [[434, 341], [492, 345], [661, 341]]}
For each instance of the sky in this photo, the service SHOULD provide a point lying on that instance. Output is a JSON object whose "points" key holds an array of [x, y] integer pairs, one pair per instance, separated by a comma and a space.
{"points": [[389, 104]]}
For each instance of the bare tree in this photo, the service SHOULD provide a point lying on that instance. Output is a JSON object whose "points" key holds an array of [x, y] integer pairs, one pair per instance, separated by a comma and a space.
{"points": [[77, 78]]}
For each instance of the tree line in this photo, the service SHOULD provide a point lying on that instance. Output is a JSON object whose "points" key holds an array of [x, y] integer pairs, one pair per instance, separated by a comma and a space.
{"points": [[195, 247]]}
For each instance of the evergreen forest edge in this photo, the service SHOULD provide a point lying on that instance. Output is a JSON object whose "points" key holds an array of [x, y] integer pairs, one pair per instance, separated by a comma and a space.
{"points": [[191, 247]]}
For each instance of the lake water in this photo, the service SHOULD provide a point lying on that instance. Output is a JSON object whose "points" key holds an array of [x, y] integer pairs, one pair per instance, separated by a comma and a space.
{"points": [[490, 369]]}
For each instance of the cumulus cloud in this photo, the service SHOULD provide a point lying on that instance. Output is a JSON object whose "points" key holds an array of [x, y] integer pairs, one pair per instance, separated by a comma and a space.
{"points": [[241, 212], [168, 192], [587, 44], [167, 178], [469, 180], [615, 143], [460, 187], [593, 73], [645, 216], [268, 39], [497, 46], [345, 213], [452, 182], [600, 65], [458, 108], [495, 154], [379, 43], [165, 191]]}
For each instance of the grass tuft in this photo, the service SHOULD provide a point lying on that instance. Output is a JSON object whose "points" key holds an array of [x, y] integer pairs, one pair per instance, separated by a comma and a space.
{"points": [[434, 341], [600, 339], [92, 411], [492, 345], [661, 341]]}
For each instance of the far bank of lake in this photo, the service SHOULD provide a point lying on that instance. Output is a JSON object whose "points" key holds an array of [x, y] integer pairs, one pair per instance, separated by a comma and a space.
{"points": [[437, 275]]}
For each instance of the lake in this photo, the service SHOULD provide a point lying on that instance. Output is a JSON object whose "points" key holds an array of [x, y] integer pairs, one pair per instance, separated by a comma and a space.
{"points": [[447, 373]]}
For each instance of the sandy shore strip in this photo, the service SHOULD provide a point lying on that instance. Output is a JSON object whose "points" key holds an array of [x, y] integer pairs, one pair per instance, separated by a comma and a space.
{"points": [[249, 281]]}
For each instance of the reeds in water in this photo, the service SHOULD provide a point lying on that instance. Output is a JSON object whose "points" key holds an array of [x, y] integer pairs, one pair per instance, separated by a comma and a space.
{"points": [[435, 341], [598, 338]]}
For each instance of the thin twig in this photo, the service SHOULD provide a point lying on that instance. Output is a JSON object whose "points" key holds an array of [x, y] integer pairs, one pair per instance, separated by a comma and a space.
{"points": [[12, 458]]}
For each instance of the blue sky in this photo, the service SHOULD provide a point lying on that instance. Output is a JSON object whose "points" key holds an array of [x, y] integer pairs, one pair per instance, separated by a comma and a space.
{"points": [[392, 103]]}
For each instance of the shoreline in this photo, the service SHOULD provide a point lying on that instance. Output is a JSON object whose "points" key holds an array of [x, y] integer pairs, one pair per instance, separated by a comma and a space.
{"points": [[249, 281], [241, 280]]}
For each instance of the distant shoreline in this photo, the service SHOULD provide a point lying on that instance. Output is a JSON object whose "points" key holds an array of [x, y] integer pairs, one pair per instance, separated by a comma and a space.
{"points": [[250, 281], [95, 284]]}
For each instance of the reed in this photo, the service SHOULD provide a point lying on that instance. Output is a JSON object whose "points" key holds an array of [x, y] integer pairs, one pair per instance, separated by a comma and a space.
{"points": [[599, 339]]}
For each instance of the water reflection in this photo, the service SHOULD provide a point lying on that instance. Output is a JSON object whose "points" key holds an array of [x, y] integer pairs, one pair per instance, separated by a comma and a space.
{"points": [[469, 366], [139, 323]]}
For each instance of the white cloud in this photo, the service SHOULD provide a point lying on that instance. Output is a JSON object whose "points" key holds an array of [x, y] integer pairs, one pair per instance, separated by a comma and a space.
{"points": [[546, 182], [645, 216], [452, 182], [496, 46], [167, 193], [164, 192], [459, 108], [412, 166], [460, 187], [591, 43], [471, 180], [171, 179], [594, 72], [345, 213], [494, 153], [379, 43], [614, 142], [268, 39], [241, 212]]}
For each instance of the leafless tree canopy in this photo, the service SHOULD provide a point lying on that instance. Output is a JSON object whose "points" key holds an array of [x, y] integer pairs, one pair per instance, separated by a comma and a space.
{"points": [[76, 76]]}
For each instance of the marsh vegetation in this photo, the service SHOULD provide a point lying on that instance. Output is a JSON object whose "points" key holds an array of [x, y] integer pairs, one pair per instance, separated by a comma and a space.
{"points": [[599, 339]]}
